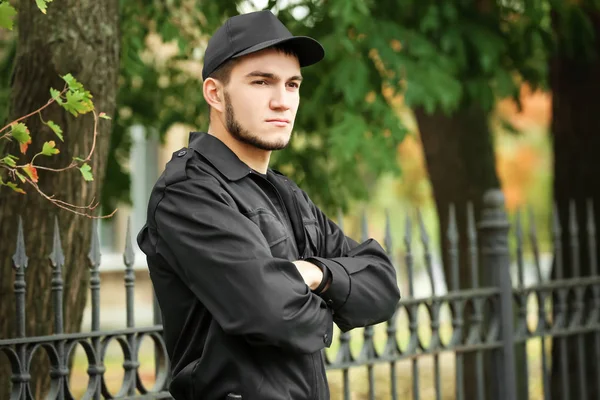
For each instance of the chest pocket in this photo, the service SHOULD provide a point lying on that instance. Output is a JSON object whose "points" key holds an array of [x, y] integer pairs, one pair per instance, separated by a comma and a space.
{"points": [[312, 232], [313, 238], [274, 232]]}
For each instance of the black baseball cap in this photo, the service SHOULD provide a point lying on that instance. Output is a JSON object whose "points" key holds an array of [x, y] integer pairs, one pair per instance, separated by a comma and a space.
{"points": [[248, 33]]}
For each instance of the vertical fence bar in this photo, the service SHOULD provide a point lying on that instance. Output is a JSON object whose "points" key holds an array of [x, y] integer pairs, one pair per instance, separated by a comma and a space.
{"points": [[157, 320], [519, 244], [96, 370], [477, 318], [391, 346], [494, 228], [435, 311], [57, 260], [542, 321], [344, 354], [20, 261], [129, 259], [522, 331], [457, 319], [577, 320], [368, 351], [560, 308], [595, 315], [413, 325]]}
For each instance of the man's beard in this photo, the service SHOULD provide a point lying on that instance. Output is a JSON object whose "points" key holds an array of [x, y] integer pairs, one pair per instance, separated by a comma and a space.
{"points": [[243, 135]]}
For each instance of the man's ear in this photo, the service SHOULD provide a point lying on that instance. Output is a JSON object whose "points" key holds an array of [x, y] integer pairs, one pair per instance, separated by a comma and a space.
{"points": [[213, 94]]}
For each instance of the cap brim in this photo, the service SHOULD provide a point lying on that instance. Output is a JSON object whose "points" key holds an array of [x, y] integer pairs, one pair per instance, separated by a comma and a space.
{"points": [[309, 51]]}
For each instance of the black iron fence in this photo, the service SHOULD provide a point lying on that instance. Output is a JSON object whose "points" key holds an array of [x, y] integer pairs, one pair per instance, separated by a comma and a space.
{"points": [[481, 336]]}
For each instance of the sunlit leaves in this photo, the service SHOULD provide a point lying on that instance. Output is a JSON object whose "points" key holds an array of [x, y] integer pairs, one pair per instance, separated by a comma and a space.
{"points": [[435, 55], [49, 148], [7, 14], [20, 176], [76, 100], [56, 129], [43, 5], [9, 160], [55, 95], [86, 172], [12, 185], [20, 132]]}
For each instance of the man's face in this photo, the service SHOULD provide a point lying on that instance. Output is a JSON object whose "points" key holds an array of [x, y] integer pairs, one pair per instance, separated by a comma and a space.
{"points": [[261, 99]]}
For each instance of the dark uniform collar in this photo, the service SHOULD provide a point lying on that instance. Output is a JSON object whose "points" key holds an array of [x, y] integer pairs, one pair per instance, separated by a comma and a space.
{"points": [[219, 155]]}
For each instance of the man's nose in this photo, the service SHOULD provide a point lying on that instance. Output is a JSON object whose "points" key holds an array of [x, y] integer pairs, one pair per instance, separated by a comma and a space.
{"points": [[281, 98]]}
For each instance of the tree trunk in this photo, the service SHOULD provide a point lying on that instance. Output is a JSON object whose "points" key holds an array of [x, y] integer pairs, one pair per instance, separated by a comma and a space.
{"points": [[575, 84], [80, 37], [460, 159]]}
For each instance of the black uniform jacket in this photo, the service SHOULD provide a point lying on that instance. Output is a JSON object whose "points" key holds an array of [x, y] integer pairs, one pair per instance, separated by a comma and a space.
{"points": [[237, 316]]}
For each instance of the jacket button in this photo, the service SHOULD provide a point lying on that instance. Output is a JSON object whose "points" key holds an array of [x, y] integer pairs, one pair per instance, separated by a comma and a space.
{"points": [[182, 153], [330, 303], [325, 338]]}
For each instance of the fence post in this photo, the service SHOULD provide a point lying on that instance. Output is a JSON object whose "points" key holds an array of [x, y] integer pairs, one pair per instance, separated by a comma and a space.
{"points": [[494, 227]]}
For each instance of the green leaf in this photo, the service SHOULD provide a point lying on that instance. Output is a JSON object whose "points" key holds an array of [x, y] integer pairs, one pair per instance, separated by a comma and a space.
{"points": [[10, 160], [20, 132], [20, 176], [78, 102], [78, 159], [49, 148], [56, 95], [73, 83], [42, 5], [104, 116], [13, 186], [7, 13], [86, 171], [57, 129]]}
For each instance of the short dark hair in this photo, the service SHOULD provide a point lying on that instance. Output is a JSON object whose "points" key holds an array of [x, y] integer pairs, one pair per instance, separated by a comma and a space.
{"points": [[223, 72]]}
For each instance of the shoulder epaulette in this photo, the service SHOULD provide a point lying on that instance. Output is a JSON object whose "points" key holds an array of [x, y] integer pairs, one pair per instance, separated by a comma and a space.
{"points": [[175, 170]]}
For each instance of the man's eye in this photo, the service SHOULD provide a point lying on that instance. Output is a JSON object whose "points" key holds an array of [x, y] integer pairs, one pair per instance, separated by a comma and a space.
{"points": [[294, 85], [260, 83]]}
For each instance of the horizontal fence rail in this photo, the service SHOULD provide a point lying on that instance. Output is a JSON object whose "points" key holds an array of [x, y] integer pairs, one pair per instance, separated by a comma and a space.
{"points": [[462, 339]]}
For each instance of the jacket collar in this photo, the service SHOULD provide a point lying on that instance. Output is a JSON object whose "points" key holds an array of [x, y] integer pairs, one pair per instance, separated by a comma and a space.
{"points": [[219, 155]]}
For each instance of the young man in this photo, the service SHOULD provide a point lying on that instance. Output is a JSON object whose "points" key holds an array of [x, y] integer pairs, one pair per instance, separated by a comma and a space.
{"points": [[250, 275]]}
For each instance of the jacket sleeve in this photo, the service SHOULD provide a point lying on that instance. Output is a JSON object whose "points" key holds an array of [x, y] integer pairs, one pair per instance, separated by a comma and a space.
{"points": [[363, 289], [226, 261]]}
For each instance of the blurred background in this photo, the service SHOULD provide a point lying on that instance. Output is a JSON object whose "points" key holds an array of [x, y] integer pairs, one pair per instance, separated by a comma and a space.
{"points": [[417, 107]]}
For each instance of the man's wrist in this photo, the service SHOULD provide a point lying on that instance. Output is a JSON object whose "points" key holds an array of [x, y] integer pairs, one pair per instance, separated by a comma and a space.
{"points": [[326, 274]]}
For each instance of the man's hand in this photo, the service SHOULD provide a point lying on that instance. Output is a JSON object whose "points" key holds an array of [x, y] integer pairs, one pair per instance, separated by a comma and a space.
{"points": [[311, 274]]}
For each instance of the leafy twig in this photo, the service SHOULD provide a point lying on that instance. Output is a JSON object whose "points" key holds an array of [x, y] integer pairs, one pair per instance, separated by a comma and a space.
{"points": [[29, 115], [73, 163], [68, 206]]}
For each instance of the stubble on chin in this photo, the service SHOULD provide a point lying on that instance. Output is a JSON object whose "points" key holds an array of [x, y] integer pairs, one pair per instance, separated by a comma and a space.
{"points": [[245, 136]]}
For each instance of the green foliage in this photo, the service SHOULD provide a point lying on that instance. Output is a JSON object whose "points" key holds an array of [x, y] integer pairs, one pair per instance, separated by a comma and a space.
{"points": [[49, 148], [77, 100], [86, 172], [43, 5], [341, 141], [434, 55], [7, 14], [12, 185], [20, 133], [56, 129], [9, 160], [455, 53], [74, 99], [575, 33]]}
